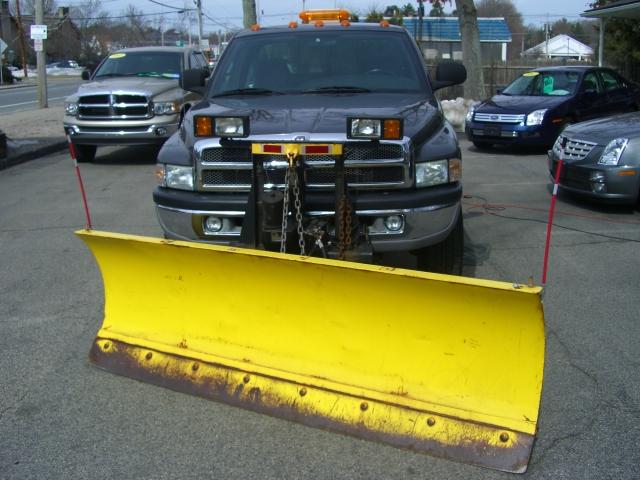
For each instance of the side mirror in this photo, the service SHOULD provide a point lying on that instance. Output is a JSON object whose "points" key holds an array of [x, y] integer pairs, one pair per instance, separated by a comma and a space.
{"points": [[499, 91], [193, 80], [449, 73], [86, 75]]}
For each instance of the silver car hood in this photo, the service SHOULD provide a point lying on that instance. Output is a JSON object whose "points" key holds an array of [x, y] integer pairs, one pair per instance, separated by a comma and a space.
{"points": [[149, 86], [603, 130]]}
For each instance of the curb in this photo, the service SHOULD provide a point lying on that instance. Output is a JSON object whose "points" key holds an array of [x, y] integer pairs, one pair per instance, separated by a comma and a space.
{"points": [[52, 147]]}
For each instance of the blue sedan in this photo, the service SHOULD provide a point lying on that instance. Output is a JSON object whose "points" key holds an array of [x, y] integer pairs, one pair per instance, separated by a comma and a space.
{"points": [[534, 108]]}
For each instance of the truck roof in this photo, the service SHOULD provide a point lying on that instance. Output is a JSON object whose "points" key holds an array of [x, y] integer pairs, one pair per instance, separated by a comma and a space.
{"points": [[155, 49], [327, 26]]}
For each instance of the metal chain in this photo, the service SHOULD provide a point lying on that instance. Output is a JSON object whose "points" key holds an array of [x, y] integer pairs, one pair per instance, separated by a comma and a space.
{"points": [[285, 212], [347, 221], [340, 229], [298, 206]]}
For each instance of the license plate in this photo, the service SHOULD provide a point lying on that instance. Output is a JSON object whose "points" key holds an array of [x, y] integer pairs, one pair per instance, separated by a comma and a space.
{"points": [[492, 131]]}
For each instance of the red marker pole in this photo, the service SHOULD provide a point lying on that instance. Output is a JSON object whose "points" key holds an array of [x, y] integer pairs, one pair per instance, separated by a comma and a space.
{"points": [[72, 151], [552, 209]]}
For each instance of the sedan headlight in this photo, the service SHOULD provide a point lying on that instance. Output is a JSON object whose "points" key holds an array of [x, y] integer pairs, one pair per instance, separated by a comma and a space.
{"points": [[175, 176], [613, 151], [429, 174], [470, 113], [165, 108], [71, 108], [536, 117]]}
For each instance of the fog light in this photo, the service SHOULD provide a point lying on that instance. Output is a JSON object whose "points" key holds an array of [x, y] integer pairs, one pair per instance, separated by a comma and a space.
{"points": [[597, 180], [213, 224], [161, 131], [394, 223]]}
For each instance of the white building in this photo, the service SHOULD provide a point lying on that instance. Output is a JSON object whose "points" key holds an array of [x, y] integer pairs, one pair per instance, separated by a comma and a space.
{"points": [[561, 46]]}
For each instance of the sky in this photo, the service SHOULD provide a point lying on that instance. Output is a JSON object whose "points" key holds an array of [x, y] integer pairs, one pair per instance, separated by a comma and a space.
{"points": [[227, 14]]}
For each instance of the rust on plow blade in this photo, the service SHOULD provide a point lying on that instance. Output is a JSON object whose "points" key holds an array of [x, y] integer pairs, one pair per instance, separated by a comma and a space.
{"points": [[445, 365]]}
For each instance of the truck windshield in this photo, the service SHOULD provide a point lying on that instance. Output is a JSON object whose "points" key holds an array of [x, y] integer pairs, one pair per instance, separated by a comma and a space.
{"points": [[556, 83], [151, 64], [320, 62]]}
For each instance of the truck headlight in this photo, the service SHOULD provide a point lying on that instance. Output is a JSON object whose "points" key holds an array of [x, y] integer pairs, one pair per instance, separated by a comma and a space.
{"points": [[613, 151], [165, 108], [71, 108], [375, 128], [229, 127], [432, 173], [178, 176], [536, 117]]}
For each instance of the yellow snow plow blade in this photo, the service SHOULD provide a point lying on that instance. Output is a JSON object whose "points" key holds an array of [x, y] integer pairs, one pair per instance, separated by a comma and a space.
{"points": [[446, 365]]}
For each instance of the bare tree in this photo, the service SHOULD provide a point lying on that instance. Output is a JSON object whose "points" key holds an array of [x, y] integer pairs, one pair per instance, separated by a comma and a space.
{"points": [[471, 55], [506, 9]]}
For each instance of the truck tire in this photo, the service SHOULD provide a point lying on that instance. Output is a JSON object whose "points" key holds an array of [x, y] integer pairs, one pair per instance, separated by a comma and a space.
{"points": [[85, 153], [446, 256]]}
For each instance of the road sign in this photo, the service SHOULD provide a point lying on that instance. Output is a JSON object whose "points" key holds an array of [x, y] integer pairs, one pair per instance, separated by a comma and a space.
{"points": [[38, 32], [204, 44], [3, 46], [37, 45]]}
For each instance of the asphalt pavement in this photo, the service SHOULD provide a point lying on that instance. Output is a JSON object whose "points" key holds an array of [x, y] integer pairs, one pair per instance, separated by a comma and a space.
{"points": [[31, 133], [62, 418]]}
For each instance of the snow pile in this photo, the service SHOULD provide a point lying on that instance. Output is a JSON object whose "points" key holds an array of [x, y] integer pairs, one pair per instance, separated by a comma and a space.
{"points": [[456, 110], [65, 72], [54, 71]]}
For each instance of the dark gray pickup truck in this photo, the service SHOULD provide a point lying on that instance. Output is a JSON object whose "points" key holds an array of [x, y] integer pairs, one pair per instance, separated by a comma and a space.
{"points": [[322, 139]]}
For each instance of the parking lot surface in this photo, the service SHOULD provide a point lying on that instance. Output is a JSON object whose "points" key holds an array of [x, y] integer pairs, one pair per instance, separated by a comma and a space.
{"points": [[61, 417]]}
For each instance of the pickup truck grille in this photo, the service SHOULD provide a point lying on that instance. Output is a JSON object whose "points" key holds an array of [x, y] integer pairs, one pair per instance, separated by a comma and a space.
{"points": [[119, 106], [367, 166]]}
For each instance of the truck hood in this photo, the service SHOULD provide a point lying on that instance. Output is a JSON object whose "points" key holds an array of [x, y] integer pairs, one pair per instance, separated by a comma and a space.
{"points": [[603, 130], [519, 104], [148, 85], [324, 114]]}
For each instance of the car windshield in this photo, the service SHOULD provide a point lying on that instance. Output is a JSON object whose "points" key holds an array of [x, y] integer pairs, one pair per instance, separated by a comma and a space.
{"points": [[559, 83], [143, 64], [319, 63]]}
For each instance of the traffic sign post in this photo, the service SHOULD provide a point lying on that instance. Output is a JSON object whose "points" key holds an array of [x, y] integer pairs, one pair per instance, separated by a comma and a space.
{"points": [[38, 32], [3, 47]]}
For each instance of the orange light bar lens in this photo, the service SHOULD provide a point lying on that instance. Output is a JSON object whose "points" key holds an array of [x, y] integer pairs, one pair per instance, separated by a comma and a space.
{"points": [[293, 24], [384, 23], [255, 27], [338, 14], [391, 129], [204, 126]]}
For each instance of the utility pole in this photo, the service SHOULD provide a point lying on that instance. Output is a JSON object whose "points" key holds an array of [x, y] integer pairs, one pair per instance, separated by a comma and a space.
{"points": [[249, 13], [420, 17], [199, 7], [40, 57], [23, 47]]}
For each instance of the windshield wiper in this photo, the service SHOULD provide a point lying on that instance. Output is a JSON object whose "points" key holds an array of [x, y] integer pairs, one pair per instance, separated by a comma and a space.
{"points": [[338, 89], [246, 91]]}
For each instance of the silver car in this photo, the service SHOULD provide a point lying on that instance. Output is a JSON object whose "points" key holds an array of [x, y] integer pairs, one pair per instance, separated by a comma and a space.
{"points": [[601, 159]]}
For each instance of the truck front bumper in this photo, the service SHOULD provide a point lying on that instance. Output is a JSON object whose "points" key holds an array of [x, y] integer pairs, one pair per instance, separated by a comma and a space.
{"points": [[140, 132], [428, 215]]}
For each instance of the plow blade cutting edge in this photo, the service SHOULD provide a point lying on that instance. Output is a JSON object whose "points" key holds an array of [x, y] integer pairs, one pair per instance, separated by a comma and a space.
{"points": [[450, 366]]}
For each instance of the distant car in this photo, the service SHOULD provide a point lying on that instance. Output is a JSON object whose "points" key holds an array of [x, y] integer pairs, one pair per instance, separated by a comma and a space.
{"points": [[534, 108], [64, 64], [601, 159]]}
